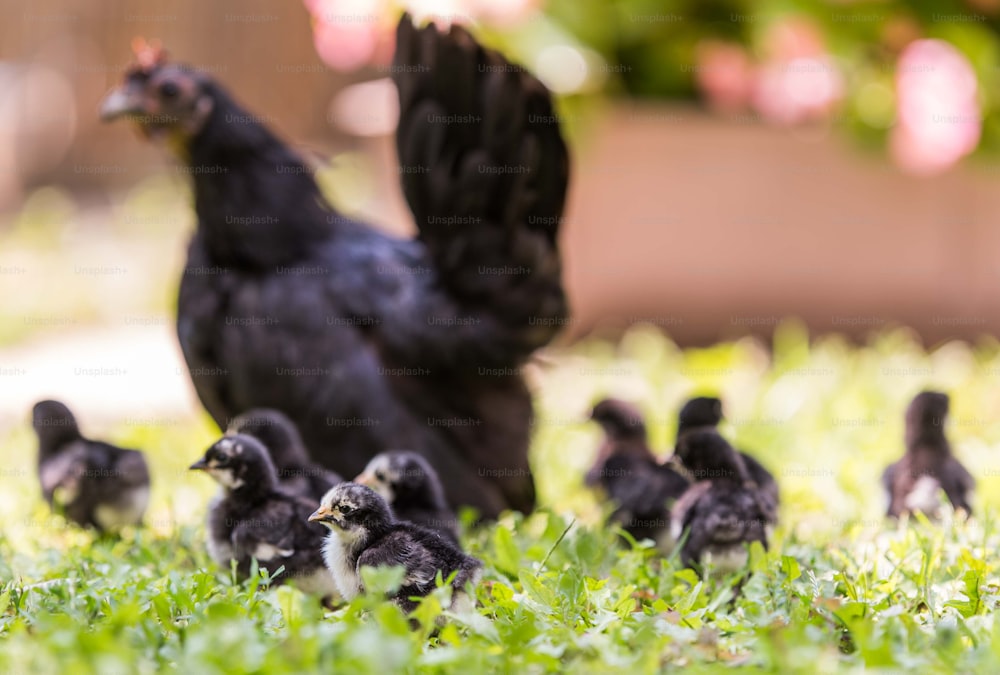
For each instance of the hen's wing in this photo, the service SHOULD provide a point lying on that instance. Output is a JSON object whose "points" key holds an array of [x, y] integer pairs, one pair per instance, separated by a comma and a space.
{"points": [[485, 171]]}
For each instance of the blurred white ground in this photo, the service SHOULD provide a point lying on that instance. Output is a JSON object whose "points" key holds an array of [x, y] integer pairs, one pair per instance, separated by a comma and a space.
{"points": [[105, 374]]}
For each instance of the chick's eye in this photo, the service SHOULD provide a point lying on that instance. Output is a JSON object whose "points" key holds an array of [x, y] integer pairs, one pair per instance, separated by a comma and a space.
{"points": [[380, 475], [169, 90], [345, 509]]}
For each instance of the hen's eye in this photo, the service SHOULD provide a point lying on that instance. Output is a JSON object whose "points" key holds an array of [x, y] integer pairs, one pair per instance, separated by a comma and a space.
{"points": [[345, 509], [169, 90]]}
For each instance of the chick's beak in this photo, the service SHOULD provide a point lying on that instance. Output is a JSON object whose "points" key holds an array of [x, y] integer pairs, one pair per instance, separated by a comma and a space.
{"points": [[365, 478], [122, 101], [321, 514], [200, 465]]}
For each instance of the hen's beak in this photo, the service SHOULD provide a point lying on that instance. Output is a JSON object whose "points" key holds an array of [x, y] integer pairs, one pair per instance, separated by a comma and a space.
{"points": [[200, 465], [321, 514], [120, 102]]}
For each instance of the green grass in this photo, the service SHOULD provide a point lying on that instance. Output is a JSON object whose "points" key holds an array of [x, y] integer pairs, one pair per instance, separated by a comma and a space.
{"points": [[840, 590]]}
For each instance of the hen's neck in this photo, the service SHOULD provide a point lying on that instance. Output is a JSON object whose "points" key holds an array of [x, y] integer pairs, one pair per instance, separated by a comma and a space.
{"points": [[257, 203]]}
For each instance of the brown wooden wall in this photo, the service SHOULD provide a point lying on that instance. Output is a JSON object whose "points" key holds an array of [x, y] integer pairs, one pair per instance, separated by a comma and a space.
{"points": [[262, 49]]}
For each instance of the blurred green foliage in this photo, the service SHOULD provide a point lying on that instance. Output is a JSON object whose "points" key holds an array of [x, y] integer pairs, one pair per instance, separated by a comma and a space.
{"points": [[655, 43], [840, 590]]}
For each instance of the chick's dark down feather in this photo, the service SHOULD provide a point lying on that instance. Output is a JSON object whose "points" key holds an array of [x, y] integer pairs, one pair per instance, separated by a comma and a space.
{"points": [[705, 412], [296, 473], [91, 482], [724, 510], [254, 518], [928, 466], [367, 341]]}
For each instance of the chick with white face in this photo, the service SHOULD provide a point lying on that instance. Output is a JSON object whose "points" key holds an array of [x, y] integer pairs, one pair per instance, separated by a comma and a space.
{"points": [[254, 518], [220, 465], [347, 537], [413, 490], [364, 533]]}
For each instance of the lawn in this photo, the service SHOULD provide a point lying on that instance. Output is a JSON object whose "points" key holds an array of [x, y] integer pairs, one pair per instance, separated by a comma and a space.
{"points": [[839, 590]]}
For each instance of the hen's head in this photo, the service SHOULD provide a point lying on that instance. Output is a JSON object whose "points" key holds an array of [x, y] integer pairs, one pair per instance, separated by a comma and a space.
{"points": [[165, 100]]}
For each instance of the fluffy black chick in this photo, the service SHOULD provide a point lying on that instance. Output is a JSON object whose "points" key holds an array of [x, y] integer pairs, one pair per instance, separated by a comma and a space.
{"points": [[413, 490], [365, 340], [706, 412], [723, 511], [642, 489], [915, 482], [296, 472], [364, 533], [92, 483], [254, 518]]}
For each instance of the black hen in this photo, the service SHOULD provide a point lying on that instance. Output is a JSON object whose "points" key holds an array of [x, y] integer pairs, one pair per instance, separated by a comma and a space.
{"points": [[278, 434], [642, 489], [92, 483], [916, 481], [365, 340], [706, 412]]}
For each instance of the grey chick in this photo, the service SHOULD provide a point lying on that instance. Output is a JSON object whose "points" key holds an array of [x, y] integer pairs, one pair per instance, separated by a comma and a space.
{"points": [[296, 472], [723, 511], [412, 488], [915, 482], [706, 411], [93, 483], [364, 533], [254, 518]]}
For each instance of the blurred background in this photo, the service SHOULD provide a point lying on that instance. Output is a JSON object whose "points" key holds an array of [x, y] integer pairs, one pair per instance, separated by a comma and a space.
{"points": [[735, 163]]}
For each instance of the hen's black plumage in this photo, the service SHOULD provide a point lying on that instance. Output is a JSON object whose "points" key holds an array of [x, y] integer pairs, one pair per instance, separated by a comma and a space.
{"points": [[254, 518], [915, 482], [723, 511], [364, 340], [642, 489], [92, 483], [364, 533], [706, 412], [412, 488], [296, 472]]}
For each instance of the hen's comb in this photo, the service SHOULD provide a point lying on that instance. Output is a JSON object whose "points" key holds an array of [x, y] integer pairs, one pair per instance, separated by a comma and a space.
{"points": [[148, 54]]}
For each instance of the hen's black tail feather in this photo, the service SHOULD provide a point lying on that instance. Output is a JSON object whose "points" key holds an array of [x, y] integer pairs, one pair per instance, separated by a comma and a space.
{"points": [[485, 171]]}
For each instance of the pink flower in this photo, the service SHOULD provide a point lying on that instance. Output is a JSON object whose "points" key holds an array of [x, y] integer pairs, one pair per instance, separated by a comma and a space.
{"points": [[798, 80], [349, 34], [938, 120], [724, 74], [798, 90]]}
